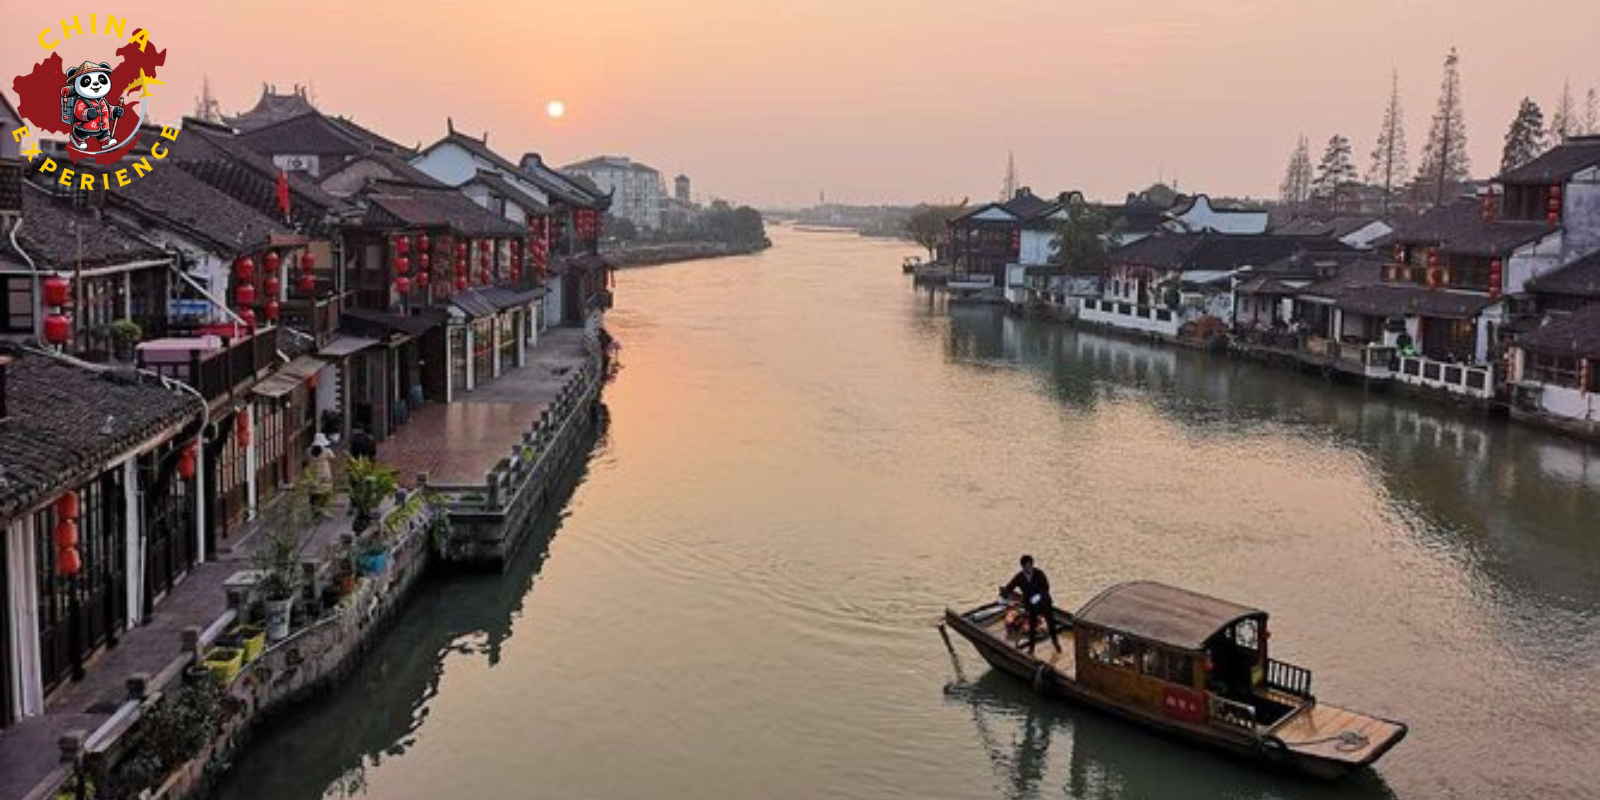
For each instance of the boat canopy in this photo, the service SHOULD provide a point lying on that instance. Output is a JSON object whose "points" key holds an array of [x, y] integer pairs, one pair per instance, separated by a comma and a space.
{"points": [[1163, 614]]}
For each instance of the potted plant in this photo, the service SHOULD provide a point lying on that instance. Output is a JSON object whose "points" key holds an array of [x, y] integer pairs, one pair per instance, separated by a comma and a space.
{"points": [[125, 336], [369, 483], [278, 553]]}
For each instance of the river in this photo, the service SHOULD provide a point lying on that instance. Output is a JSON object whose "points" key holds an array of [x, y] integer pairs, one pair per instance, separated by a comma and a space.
{"points": [[806, 460]]}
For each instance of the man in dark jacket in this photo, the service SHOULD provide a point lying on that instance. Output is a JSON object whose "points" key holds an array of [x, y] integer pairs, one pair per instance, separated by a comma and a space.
{"points": [[1034, 589]]}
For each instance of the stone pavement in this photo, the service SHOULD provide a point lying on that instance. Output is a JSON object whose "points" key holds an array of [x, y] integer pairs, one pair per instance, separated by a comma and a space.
{"points": [[482, 425]]}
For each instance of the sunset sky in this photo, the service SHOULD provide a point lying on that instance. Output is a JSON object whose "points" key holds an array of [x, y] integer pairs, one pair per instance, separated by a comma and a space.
{"points": [[874, 100]]}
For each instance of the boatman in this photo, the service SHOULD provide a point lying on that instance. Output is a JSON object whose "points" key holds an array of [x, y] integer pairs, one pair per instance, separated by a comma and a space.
{"points": [[1034, 589]]}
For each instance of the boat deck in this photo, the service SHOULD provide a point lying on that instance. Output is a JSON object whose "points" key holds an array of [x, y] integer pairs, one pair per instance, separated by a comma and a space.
{"points": [[1338, 734], [1063, 662]]}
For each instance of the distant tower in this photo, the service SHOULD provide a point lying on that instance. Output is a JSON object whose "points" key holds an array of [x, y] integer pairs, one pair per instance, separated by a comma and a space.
{"points": [[1008, 189], [680, 189], [206, 107]]}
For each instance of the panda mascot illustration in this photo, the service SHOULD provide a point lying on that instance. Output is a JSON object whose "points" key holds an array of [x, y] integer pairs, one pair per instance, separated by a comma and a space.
{"points": [[85, 108]]}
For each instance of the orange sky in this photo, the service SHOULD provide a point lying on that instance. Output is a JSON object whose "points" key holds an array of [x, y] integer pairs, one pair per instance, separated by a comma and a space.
{"points": [[875, 100]]}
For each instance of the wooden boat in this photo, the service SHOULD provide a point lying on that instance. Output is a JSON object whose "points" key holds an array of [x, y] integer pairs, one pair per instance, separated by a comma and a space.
{"points": [[1189, 665]]}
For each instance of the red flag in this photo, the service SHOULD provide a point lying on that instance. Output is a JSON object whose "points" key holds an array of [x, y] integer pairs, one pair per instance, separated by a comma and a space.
{"points": [[283, 193]]}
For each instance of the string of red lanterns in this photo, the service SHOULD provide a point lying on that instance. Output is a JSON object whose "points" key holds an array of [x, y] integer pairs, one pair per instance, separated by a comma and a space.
{"points": [[68, 561], [57, 324]]}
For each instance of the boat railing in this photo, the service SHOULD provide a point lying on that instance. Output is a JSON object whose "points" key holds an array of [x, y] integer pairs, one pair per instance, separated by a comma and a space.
{"points": [[1231, 713], [1288, 678]]}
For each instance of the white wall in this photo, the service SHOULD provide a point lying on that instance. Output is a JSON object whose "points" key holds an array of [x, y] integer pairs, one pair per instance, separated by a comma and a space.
{"points": [[1202, 217], [1570, 403]]}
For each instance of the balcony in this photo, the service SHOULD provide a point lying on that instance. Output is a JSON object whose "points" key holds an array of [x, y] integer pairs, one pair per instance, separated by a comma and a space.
{"points": [[1130, 316], [318, 319], [217, 366], [1465, 380]]}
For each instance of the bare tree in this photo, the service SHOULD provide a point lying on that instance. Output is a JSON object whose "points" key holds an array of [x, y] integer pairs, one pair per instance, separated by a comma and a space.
{"points": [[1591, 113], [1564, 117], [1445, 164], [1296, 187], [1389, 160]]}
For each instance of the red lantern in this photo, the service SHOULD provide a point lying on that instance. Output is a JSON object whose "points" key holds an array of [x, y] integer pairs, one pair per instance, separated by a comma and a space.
{"points": [[402, 265], [241, 428], [308, 283], [422, 280], [57, 291], [272, 262], [245, 268], [483, 246], [67, 506], [186, 463], [272, 286], [402, 284], [422, 242], [58, 329], [461, 282], [66, 534], [516, 245], [314, 380], [249, 317], [483, 276], [424, 261], [308, 261], [461, 248], [245, 294], [272, 310], [68, 562], [402, 246], [461, 263]]}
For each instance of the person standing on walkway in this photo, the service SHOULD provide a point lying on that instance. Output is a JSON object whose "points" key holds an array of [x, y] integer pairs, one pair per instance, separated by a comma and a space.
{"points": [[1034, 589], [362, 445]]}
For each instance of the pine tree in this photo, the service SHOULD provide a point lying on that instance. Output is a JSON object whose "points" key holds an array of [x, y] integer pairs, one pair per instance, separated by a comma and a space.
{"points": [[1389, 161], [1444, 157], [1336, 170], [1591, 113], [1563, 120], [1525, 139], [1296, 186]]}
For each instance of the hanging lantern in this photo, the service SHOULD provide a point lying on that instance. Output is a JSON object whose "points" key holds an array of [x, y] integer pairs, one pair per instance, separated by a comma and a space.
{"points": [[66, 534], [422, 280], [273, 285], [245, 294], [68, 562], [241, 428], [308, 261], [402, 266], [402, 246], [402, 284], [186, 463], [272, 262], [424, 261], [57, 291], [461, 282], [249, 317], [314, 380], [67, 506], [461, 248], [516, 246], [58, 329], [461, 263], [484, 246], [245, 268], [308, 283], [422, 242], [1433, 256], [272, 310], [483, 276]]}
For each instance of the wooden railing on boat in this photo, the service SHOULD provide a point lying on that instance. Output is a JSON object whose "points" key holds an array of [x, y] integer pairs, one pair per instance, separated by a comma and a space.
{"points": [[1289, 678]]}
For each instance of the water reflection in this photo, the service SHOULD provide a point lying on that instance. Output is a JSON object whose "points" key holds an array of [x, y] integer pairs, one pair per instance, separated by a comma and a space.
{"points": [[327, 747]]}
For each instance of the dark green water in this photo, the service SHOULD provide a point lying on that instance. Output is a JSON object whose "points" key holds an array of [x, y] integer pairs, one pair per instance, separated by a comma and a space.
{"points": [[806, 461]]}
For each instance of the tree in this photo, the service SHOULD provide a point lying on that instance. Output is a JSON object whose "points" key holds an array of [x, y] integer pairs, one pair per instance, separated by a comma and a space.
{"points": [[930, 224], [1336, 170], [1564, 118], [1389, 161], [1591, 114], [1081, 238], [1444, 157], [1525, 140], [1296, 186]]}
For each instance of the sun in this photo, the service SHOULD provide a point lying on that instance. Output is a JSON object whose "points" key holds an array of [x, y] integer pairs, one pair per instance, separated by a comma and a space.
{"points": [[556, 109]]}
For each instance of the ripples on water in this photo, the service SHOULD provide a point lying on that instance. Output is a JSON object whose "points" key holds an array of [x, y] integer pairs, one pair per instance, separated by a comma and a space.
{"points": [[806, 461]]}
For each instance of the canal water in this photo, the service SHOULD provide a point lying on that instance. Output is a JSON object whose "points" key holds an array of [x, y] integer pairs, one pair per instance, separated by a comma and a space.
{"points": [[806, 460]]}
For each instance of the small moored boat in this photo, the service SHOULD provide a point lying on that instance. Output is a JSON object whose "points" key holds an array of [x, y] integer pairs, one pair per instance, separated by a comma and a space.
{"points": [[1189, 665]]}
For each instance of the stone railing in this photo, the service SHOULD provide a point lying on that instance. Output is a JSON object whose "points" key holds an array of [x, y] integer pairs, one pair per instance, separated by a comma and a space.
{"points": [[1465, 380], [1130, 316]]}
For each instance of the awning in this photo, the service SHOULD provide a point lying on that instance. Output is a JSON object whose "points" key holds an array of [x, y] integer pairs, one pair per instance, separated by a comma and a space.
{"points": [[291, 375], [346, 345]]}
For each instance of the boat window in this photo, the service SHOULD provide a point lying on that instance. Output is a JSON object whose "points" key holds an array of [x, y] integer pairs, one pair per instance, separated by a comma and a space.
{"points": [[1113, 650], [1168, 666], [1246, 634]]}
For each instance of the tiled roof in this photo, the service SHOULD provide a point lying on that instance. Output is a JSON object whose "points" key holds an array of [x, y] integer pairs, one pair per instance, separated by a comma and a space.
{"points": [[1460, 228], [510, 191], [1570, 335], [176, 199], [306, 134], [66, 422], [1366, 272], [1559, 163], [272, 107], [1581, 278], [418, 207], [1332, 227], [1166, 251], [1392, 300], [60, 236], [217, 156], [382, 323], [397, 167], [1025, 205], [374, 140], [560, 187], [1219, 251]]}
